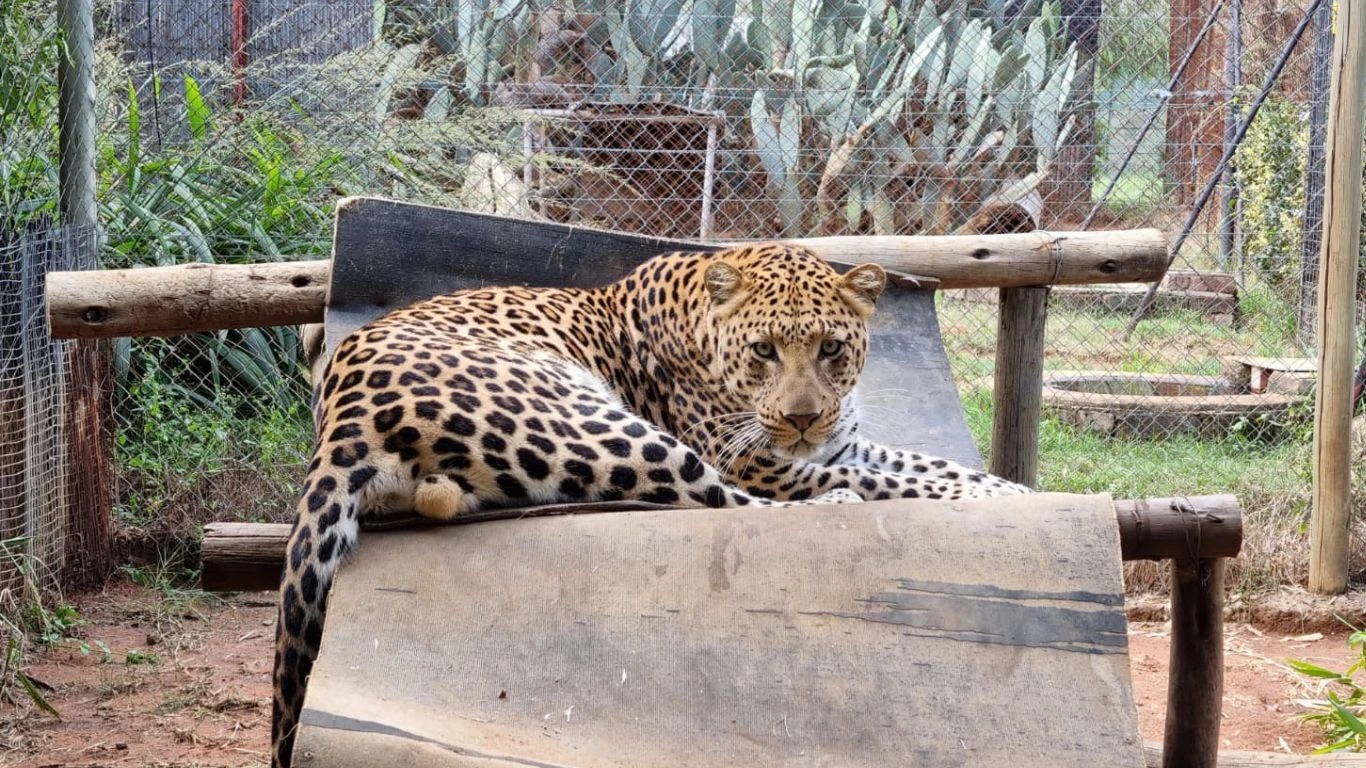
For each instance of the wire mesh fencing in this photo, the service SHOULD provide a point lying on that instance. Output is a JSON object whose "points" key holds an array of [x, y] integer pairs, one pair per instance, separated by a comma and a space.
{"points": [[54, 429], [226, 132]]}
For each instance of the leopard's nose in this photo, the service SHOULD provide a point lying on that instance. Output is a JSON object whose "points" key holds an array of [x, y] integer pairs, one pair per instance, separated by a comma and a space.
{"points": [[802, 421]]}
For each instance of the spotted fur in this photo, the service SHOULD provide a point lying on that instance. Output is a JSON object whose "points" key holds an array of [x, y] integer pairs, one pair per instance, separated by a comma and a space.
{"points": [[701, 379]]}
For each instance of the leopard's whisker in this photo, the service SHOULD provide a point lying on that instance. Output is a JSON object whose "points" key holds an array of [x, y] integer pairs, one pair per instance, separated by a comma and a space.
{"points": [[720, 420], [741, 443], [724, 455], [884, 392], [724, 432]]}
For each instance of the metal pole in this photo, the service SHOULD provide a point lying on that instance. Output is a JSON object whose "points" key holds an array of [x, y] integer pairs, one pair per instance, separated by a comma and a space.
{"points": [[1330, 521], [1228, 193], [76, 113]]}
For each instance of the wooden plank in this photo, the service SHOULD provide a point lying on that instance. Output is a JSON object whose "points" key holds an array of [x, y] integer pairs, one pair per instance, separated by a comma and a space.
{"points": [[164, 301], [1018, 393], [1332, 498], [1195, 678], [249, 556]]}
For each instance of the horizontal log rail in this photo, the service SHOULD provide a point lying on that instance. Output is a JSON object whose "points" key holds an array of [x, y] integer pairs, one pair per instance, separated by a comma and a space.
{"points": [[165, 301], [185, 298], [239, 557]]}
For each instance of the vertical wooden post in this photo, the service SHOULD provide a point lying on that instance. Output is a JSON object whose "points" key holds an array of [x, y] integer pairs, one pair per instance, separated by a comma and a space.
{"points": [[709, 180], [1228, 184], [1017, 395], [1332, 509], [13, 429], [1195, 678], [88, 435]]}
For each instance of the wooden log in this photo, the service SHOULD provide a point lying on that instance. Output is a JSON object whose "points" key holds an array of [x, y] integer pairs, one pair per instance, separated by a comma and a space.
{"points": [[1195, 678], [1009, 261], [1152, 758], [1018, 394], [242, 556], [250, 556], [1181, 527], [1329, 525], [163, 301]]}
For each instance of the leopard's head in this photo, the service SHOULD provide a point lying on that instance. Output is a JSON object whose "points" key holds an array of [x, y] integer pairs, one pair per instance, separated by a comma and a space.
{"points": [[791, 339]]}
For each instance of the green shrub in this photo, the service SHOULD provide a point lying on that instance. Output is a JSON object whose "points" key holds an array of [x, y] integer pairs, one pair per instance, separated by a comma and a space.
{"points": [[1340, 710], [1271, 174], [29, 53], [185, 462], [1271, 168]]}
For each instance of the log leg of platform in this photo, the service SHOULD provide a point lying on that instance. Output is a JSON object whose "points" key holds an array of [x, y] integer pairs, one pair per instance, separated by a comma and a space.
{"points": [[242, 556], [1018, 393], [1195, 683]]}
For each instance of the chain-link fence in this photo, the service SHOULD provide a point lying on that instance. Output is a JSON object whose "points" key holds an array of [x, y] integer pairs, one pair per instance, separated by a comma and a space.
{"points": [[225, 132], [55, 426]]}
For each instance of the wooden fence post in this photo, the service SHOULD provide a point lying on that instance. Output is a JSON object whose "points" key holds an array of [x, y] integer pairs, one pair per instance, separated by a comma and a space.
{"points": [[1018, 392], [1332, 507]]}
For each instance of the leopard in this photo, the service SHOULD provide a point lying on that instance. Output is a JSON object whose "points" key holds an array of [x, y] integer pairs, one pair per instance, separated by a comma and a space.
{"points": [[699, 380]]}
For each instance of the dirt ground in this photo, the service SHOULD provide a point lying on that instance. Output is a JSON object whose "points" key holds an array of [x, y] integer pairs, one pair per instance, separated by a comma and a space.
{"points": [[186, 682]]}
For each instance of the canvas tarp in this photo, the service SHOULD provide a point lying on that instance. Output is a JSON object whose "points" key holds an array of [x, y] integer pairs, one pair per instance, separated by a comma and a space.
{"points": [[898, 633]]}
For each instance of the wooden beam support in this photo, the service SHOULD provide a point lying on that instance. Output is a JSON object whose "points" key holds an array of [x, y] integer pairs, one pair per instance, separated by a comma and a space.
{"points": [[1009, 261], [1195, 675], [1329, 525], [1017, 397], [250, 556], [163, 301], [1182, 527], [242, 557]]}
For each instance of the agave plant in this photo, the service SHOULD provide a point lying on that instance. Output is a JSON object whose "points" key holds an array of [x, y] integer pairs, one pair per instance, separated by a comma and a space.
{"points": [[898, 101], [478, 36]]}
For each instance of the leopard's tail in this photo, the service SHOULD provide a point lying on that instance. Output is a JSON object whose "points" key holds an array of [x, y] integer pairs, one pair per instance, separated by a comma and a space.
{"points": [[325, 531]]}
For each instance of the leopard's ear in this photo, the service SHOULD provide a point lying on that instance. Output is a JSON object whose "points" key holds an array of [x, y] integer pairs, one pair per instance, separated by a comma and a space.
{"points": [[862, 286], [724, 282]]}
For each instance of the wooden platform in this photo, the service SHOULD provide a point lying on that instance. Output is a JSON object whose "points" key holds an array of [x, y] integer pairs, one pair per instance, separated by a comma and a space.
{"points": [[1279, 375]]}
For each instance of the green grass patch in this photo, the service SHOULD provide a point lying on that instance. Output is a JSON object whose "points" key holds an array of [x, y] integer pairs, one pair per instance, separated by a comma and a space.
{"points": [[1077, 461], [1136, 189]]}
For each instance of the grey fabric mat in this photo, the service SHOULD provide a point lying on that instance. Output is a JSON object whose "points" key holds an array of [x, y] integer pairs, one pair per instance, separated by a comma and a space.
{"points": [[899, 633]]}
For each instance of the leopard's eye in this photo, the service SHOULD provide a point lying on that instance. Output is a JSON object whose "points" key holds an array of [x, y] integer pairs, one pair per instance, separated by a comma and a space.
{"points": [[763, 350], [831, 347]]}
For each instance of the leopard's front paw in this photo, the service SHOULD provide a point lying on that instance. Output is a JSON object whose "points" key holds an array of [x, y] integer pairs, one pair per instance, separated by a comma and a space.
{"points": [[838, 496]]}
